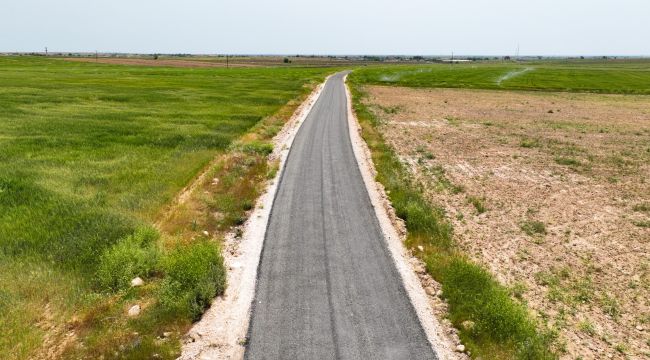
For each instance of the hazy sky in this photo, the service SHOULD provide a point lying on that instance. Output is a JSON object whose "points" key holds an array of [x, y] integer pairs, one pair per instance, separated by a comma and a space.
{"points": [[433, 27]]}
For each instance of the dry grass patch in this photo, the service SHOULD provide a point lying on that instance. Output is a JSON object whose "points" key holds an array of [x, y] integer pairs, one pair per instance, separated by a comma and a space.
{"points": [[551, 194]]}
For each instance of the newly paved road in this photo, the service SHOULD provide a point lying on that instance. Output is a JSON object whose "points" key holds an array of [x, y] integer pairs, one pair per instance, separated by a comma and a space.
{"points": [[327, 286]]}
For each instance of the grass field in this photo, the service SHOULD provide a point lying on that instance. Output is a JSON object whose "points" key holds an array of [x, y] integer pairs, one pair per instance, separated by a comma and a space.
{"points": [[90, 155], [624, 77]]}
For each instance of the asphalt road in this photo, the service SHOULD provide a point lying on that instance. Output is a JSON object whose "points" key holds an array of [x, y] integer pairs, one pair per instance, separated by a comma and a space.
{"points": [[327, 286]]}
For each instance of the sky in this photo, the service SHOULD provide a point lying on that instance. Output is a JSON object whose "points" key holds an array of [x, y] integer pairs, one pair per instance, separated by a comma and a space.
{"points": [[338, 27]]}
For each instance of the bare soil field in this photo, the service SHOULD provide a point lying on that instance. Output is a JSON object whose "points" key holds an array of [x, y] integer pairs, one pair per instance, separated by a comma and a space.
{"points": [[220, 61], [159, 62], [550, 191]]}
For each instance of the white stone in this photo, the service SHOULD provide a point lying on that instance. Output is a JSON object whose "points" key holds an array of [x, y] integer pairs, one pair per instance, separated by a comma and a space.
{"points": [[460, 348], [206, 233], [420, 247], [134, 310], [137, 282], [468, 324]]}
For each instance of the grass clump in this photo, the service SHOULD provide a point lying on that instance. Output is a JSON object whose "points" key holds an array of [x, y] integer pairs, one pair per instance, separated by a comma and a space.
{"points": [[583, 290], [239, 185], [477, 297], [135, 255], [503, 328], [587, 327], [390, 109], [477, 203], [643, 207], [567, 161], [610, 306], [518, 290], [442, 182], [194, 275], [263, 148], [533, 227], [529, 143]]}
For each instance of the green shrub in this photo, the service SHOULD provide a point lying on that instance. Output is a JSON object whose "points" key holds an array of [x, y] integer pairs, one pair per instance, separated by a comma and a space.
{"points": [[195, 274], [135, 255]]}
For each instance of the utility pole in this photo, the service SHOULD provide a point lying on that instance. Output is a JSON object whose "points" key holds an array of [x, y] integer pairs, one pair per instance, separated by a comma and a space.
{"points": [[96, 56], [227, 65], [517, 55], [46, 51]]}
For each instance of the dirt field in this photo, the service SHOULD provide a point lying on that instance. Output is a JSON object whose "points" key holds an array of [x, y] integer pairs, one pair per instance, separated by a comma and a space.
{"points": [[550, 191], [159, 62], [220, 61]]}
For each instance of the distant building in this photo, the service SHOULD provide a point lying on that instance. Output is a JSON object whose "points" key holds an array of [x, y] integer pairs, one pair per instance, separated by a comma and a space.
{"points": [[456, 60]]}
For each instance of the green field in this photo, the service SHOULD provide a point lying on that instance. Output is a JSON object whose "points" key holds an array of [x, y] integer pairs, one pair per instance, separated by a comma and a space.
{"points": [[625, 77], [89, 155]]}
